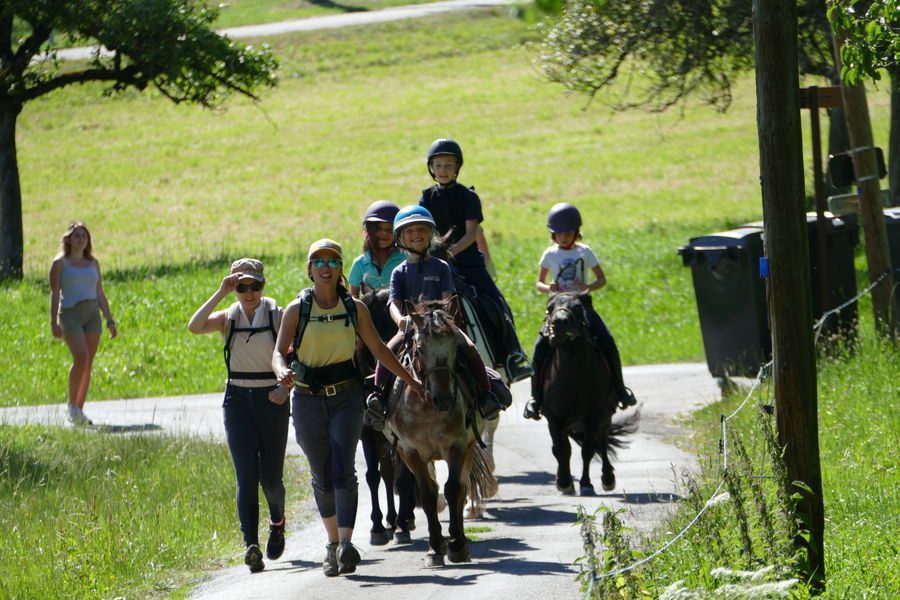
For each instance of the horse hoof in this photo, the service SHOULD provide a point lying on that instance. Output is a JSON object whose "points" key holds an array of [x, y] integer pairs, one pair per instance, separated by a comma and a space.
{"points": [[379, 538], [434, 560], [402, 537], [411, 524], [567, 491], [587, 490], [608, 484], [458, 556]]}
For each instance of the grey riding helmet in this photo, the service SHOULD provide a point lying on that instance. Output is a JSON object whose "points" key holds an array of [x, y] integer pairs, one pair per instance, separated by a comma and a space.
{"points": [[563, 217], [444, 146], [381, 211]]}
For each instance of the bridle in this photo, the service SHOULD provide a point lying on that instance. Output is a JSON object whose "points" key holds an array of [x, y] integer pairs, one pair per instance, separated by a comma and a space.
{"points": [[425, 373]]}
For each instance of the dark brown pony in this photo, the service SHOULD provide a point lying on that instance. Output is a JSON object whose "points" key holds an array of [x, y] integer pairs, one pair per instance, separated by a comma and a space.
{"points": [[578, 395], [380, 466], [440, 427]]}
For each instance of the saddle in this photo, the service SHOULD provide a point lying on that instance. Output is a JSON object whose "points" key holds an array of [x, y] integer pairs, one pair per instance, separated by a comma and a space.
{"points": [[489, 312]]}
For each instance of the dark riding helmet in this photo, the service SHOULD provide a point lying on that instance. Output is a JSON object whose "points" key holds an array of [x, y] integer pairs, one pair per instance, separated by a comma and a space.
{"points": [[563, 217], [381, 211], [444, 146], [412, 214]]}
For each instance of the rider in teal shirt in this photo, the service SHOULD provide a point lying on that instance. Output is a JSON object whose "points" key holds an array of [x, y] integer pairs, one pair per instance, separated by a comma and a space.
{"points": [[380, 255]]}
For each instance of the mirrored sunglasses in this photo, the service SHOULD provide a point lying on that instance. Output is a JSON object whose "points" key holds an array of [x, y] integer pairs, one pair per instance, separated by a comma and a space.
{"points": [[333, 263], [249, 287]]}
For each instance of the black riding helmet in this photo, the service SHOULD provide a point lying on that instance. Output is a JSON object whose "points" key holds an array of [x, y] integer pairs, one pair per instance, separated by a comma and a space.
{"points": [[444, 146], [381, 211]]}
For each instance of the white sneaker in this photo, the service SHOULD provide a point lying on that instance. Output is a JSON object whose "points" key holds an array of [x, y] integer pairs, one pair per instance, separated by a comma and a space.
{"points": [[85, 418], [77, 416]]}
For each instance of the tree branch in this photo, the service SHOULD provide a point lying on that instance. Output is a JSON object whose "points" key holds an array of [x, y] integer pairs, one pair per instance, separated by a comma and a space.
{"points": [[127, 76], [6, 53], [30, 47]]}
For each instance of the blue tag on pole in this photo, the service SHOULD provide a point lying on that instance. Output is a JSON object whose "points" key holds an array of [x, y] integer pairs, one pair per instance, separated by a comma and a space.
{"points": [[763, 266]]}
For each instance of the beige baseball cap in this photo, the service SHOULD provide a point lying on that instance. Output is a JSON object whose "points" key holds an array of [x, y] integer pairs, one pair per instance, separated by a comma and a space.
{"points": [[248, 267], [325, 244]]}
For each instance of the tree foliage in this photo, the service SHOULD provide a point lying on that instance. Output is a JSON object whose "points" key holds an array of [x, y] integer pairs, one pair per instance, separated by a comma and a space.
{"points": [[666, 50], [166, 43], [870, 33]]}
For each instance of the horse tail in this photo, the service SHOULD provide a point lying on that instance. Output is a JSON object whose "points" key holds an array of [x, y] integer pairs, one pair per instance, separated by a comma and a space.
{"points": [[620, 429], [482, 483]]}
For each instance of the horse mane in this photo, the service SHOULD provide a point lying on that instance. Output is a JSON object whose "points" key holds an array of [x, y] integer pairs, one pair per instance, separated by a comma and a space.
{"points": [[434, 317], [440, 246]]}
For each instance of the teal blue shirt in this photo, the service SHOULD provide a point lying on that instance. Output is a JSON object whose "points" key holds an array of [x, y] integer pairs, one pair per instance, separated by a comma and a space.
{"points": [[364, 270]]}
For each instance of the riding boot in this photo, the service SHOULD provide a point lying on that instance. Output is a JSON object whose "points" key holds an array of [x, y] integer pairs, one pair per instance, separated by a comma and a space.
{"points": [[533, 406], [376, 409]]}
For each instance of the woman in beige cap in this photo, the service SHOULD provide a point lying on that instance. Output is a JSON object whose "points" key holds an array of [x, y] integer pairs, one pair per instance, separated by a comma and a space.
{"points": [[327, 402], [255, 407], [76, 301]]}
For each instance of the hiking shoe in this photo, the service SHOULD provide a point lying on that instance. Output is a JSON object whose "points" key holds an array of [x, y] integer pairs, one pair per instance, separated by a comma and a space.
{"points": [[330, 565], [532, 410], [253, 559], [77, 416], [626, 398], [517, 368], [275, 545], [347, 557], [374, 416]]}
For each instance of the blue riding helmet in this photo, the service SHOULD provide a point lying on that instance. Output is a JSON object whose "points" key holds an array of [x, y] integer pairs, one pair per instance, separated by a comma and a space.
{"points": [[412, 214], [563, 217], [381, 211], [444, 146]]}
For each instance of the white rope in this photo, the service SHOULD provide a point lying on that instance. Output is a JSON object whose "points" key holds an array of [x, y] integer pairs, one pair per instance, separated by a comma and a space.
{"points": [[821, 322]]}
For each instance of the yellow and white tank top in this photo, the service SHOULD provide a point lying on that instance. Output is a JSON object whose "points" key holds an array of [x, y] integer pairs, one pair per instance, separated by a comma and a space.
{"points": [[327, 342]]}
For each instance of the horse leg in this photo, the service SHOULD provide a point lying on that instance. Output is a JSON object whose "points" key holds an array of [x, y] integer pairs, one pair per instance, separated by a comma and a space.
{"points": [[378, 535], [562, 452], [455, 491], [428, 496], [406, 490], [608, 476], [589, 446]]}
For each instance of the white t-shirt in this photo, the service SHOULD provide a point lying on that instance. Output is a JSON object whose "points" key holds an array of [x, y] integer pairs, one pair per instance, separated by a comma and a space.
{"points": [[566, 267]]}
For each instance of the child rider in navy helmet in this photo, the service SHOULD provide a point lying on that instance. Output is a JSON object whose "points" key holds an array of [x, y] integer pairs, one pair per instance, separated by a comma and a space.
{"points": [[458, 208]]}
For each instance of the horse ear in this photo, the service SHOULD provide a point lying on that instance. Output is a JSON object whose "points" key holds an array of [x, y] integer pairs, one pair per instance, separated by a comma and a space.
{"points": [[453, 307]]}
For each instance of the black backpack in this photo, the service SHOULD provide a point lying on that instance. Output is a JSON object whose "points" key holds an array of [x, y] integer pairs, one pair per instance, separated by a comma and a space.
{"points": [[232, 329]]}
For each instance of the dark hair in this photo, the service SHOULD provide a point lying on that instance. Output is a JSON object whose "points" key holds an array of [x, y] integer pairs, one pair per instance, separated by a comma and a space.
{"points": [[65, 244], [577, 235], [370, 229]]}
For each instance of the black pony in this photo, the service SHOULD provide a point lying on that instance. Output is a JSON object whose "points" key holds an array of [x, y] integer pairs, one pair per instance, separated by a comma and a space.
{"points": [[578, 396], [380, 465]]}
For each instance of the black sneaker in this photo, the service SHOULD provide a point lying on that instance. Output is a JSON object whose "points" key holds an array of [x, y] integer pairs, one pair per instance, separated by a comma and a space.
{"points": [[532, 410], [626, 398], [253, 559], [374, 416], [275, 545], [330, 565], [517, 368], [347, 557]]}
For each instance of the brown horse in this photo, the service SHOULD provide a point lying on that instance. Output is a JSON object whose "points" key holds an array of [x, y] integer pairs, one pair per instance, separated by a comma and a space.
{"points": [[440, 426], [578, 395]]}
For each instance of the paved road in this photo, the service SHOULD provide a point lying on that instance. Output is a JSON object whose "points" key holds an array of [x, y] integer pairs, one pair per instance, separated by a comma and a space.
{"points": [[349, 19], [530, 544]]}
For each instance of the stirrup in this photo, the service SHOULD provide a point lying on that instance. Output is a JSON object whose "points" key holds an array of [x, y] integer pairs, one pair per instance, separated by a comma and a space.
{"points": [[517, 367], [532, 410], [626, 398], [488, 405], [374, 415]]}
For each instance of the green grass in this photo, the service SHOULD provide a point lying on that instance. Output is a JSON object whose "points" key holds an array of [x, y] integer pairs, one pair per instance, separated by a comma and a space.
{"points": [[84, 515], [172, 194], [859, 423]]}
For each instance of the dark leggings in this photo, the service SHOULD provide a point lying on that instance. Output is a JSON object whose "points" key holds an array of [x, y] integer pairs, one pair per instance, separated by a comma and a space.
{"points": [[605, 342], [328, 429], [256, 430]]}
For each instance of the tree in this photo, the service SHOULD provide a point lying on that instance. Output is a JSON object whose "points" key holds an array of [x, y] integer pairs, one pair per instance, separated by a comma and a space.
{"points": [[168, 44]]}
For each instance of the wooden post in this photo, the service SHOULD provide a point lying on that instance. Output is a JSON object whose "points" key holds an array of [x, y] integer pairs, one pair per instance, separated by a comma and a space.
{"points": [[786, 245], [865, 169]]}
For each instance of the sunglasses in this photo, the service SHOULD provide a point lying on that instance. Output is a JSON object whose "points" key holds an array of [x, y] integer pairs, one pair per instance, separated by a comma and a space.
{"points": [[333, 263], [249, 287]]}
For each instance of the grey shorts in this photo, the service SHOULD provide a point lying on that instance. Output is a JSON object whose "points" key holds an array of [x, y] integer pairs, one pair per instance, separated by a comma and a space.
{"points": [[83, 317]]}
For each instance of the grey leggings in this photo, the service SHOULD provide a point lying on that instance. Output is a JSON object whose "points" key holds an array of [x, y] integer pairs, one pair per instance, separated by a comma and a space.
{"points": [[328, 429]]}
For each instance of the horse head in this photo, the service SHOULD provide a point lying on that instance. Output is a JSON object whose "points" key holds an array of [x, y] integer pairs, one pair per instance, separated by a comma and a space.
{"points": [[436, 340], [566, 319]]}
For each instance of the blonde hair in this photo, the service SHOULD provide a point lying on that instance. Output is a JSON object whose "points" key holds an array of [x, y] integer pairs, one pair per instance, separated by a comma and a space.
{"points": [[65, 243]]}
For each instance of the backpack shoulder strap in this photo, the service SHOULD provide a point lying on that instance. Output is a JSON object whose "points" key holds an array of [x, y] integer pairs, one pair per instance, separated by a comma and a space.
{"points": [[350, 307], [306, 300], [232, 315]]}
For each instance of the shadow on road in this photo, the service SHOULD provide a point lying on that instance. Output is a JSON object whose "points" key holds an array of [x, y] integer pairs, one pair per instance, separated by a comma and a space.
{"points": [[133, 428], [338, 6], [530, 515], [529, 478]]}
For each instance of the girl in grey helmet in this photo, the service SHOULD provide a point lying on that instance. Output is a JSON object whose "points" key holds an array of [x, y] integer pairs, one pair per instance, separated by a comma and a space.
{"points": [[567, 262]]}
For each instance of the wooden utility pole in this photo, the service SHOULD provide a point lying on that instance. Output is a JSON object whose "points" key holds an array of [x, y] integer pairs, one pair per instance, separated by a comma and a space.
{"points": [[865, 169], [787, 250]]}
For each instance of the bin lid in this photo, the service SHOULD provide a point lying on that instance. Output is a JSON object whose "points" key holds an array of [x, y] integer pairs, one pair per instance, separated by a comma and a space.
{"points": [[834, 221], [892, 216], [733, 238]]}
